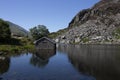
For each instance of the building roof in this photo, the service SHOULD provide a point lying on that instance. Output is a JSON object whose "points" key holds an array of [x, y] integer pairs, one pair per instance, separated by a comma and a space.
{"points": [[52, 41]]}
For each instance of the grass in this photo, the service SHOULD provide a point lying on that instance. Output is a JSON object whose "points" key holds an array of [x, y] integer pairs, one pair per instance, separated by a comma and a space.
{"points": [[16, 45], [15, 48]]}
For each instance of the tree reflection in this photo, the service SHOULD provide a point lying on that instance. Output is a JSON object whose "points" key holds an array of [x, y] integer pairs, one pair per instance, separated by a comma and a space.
{"points": [[41, 57], [4, 64], [100, 61]]}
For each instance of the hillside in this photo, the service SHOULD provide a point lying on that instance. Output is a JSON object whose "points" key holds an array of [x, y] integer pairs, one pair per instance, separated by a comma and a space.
{"points": [[99, 24], [18, 30]]}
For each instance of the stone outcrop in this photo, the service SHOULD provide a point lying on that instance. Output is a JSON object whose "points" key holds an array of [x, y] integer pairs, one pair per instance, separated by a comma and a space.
{"points": [[99, 24]]}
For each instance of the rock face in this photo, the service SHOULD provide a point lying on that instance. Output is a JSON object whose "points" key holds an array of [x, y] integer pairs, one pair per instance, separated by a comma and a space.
{"points": [[99, 24]]}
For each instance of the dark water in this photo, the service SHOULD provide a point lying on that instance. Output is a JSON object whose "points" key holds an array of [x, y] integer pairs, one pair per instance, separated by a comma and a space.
{"points": [[68, 62]]}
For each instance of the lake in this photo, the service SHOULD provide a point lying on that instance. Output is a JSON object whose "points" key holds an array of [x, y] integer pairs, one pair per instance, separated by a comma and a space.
{"points": [[67, 62]]}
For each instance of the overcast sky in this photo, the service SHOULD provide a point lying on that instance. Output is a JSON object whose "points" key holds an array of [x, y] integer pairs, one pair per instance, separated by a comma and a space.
{"points": [[55, 14]]}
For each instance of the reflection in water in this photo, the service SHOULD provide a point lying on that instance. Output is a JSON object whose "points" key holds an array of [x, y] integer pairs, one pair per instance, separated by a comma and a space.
{"points": [[41, 57], [72, 62], [100, 61], [4, 64]]}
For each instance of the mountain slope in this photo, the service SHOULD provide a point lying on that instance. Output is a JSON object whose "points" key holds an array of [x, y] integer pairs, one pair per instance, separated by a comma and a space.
{"points": [[99, 24], [17, 30]]}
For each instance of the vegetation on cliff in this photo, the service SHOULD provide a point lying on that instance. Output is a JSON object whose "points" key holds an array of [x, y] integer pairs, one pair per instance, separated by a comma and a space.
{"points": [[8, 43]]}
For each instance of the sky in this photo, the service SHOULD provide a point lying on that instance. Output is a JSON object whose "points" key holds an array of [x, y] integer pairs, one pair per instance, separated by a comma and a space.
{"points": [[54, 14]]}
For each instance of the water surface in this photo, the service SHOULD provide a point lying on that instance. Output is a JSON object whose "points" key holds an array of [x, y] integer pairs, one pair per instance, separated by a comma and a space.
{"points": [[68, 62]]}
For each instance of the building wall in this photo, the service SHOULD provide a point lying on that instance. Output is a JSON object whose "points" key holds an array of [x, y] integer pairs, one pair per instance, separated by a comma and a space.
{"points": [[45, 44]]}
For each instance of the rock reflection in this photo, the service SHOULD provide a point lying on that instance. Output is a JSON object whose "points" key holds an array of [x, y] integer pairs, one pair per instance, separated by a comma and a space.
{"points": [[100, 61], [41, 57], [4, 64]]}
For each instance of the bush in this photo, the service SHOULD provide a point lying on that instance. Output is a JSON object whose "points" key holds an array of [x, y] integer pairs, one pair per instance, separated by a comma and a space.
{"points": [[116, 33]]}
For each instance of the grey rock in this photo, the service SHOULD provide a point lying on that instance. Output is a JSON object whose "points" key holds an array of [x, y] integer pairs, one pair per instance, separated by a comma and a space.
{"points": [[95, 25], [1, 53]]}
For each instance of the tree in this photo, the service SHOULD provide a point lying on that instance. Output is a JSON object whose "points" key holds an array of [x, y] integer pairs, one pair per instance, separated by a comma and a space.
{"points": [[39, 31], [5, 32]]}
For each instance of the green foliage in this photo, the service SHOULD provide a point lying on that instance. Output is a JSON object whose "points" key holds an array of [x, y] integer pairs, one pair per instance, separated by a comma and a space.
{"points": [[10, 41], [4, 30], [26, 41], [116, 33], [56, 34], [53, 35], [8, 44], [85, 40], [39, 31], [16, 45]]}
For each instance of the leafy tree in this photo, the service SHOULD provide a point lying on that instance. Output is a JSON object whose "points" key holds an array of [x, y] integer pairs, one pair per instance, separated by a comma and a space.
{"points": [[39, 31], [5, 32]]}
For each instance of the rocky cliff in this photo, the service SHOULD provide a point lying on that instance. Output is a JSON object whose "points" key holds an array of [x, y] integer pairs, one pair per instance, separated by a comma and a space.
{"points": [[99, 24]]}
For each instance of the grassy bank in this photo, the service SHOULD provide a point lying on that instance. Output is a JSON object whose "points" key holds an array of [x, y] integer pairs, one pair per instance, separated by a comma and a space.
{"points": [[16, 45], [15, 48]]}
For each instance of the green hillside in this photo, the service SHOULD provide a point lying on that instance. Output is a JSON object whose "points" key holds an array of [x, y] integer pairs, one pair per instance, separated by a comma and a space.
{"points": [[18, 30]]}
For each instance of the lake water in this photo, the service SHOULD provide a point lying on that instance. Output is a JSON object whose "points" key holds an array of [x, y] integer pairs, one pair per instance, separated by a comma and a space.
{"points": [[68, 62]]}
